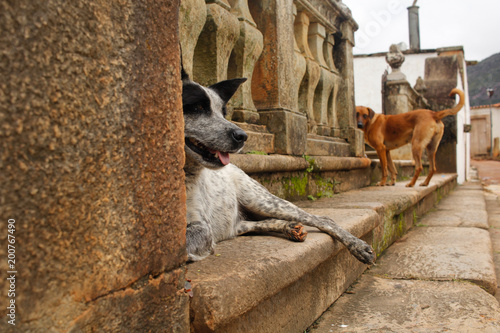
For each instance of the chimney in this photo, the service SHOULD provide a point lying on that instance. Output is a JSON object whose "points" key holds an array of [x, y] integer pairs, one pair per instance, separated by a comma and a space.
{"points": [[414, 27]]}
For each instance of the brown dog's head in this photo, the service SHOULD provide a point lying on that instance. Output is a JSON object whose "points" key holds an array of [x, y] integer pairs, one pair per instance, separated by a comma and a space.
{"points": [[363, 116]]}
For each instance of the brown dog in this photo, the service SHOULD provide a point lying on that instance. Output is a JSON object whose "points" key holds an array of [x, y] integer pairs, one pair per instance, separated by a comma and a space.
{"points": [[423, 128]]}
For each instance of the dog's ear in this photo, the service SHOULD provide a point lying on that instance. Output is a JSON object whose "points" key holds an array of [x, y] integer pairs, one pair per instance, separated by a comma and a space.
{"points": [[371, 113], [226, 89]]}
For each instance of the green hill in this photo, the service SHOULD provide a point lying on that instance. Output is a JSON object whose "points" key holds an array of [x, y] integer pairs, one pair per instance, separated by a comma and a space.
{"points": [[486, 74]]}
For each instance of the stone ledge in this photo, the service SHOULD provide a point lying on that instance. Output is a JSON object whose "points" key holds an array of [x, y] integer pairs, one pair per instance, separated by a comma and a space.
{"points": [[253, 163], [250, 276]]}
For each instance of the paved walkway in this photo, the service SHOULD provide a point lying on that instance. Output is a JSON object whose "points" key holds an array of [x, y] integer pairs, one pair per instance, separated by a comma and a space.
{"points": [[440, 277]]}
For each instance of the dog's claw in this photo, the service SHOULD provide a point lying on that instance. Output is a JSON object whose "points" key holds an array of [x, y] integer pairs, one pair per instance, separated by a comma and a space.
{"points": [[297, 233], [363, 252]]}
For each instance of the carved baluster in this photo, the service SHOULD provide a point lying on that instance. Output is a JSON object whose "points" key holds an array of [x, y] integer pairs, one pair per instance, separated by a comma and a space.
{"points": [[316, 39], [245, 54], [216, 41], [313, 72], [299, 66], [332, 104], [328, 52], [192, 17]]}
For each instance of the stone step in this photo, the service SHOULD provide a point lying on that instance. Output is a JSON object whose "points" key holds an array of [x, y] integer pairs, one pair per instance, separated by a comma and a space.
{"points": [[405, 169], [441, 254], [269, 284], [438, 277], [375, 304]]}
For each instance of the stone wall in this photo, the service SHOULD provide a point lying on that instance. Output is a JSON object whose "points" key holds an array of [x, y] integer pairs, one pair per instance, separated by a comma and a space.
{"points": [[91, 164], [297, 56], [441, 76]]}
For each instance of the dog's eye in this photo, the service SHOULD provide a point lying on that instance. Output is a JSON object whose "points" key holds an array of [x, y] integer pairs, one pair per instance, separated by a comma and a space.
{"points": [[357, 114], [365, 116]]}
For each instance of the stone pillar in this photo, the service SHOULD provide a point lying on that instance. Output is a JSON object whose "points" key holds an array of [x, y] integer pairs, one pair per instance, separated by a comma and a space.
{"points": [[91, 157], [215, 44], [299, 69], [399, 97], [332, 104], [242, 61], [441, 76], [346, 108], [273, 76], [316, 39]]}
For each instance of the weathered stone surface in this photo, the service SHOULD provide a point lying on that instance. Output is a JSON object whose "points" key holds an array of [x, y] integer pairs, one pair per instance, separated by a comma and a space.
{"points": [[441, 253], [215, 44], [390, 198], [259, 139], [493, 208], [382, 305], [441, 76], [289, 129], [273, 74], [155, 304], [295, 178], [251, 276], [465, 207], [192, 17], [452, 218], [91, 153], [405, 169], [232, 287], [245, 54], [464, 199], [326, 146]]}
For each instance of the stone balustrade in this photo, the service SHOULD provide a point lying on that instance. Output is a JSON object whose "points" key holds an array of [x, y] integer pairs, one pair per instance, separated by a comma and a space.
{"points": [[297, 56]]}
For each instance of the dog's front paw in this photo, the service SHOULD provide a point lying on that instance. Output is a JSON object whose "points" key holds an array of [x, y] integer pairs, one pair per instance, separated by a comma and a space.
{"points": [[296, 232], [363, 252]]}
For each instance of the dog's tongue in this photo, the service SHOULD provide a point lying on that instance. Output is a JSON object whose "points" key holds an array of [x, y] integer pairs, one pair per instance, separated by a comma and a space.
{"points": [[224, 158]]}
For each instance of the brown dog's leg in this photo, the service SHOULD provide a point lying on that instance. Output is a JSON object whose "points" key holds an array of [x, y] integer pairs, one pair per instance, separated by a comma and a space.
{"points": [[432, 167], [431, 153], [392, 168], [417, 156], [383, 165]]}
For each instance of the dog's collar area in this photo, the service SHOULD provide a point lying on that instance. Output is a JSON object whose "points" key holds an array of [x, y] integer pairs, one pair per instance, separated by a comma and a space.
{"points": [[214, 157]]}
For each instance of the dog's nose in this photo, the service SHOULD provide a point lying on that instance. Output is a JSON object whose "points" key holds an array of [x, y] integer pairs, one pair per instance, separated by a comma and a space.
{"points": [[239, 136], [360, 125]]}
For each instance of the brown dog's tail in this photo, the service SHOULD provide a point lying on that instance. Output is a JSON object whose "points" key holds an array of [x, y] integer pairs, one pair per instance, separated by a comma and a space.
{"points": [[454, 110]]}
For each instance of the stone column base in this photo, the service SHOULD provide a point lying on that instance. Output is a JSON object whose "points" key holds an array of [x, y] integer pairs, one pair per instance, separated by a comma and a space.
{"points": [[289, 129]]}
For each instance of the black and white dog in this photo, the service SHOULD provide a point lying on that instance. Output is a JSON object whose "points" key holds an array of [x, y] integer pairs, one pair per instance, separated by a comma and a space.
{"points": [[220, 196]]}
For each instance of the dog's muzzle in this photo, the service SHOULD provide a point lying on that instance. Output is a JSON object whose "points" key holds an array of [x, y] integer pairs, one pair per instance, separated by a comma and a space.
{"points": [[239, 137], [360, 125]]}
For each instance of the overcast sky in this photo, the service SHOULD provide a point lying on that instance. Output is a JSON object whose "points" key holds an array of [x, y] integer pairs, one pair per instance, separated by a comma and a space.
{"points": [[475, 25]]}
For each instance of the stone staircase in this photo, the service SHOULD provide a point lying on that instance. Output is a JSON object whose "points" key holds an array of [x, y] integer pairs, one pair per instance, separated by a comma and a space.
{"points": [[270, 284]]}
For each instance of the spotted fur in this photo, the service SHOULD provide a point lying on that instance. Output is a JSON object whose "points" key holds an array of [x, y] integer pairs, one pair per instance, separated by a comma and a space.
{"points": [[222, 201]]}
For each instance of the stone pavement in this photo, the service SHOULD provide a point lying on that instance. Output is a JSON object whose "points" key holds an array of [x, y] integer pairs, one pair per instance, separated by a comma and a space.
{"points": [[439, 277]]}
